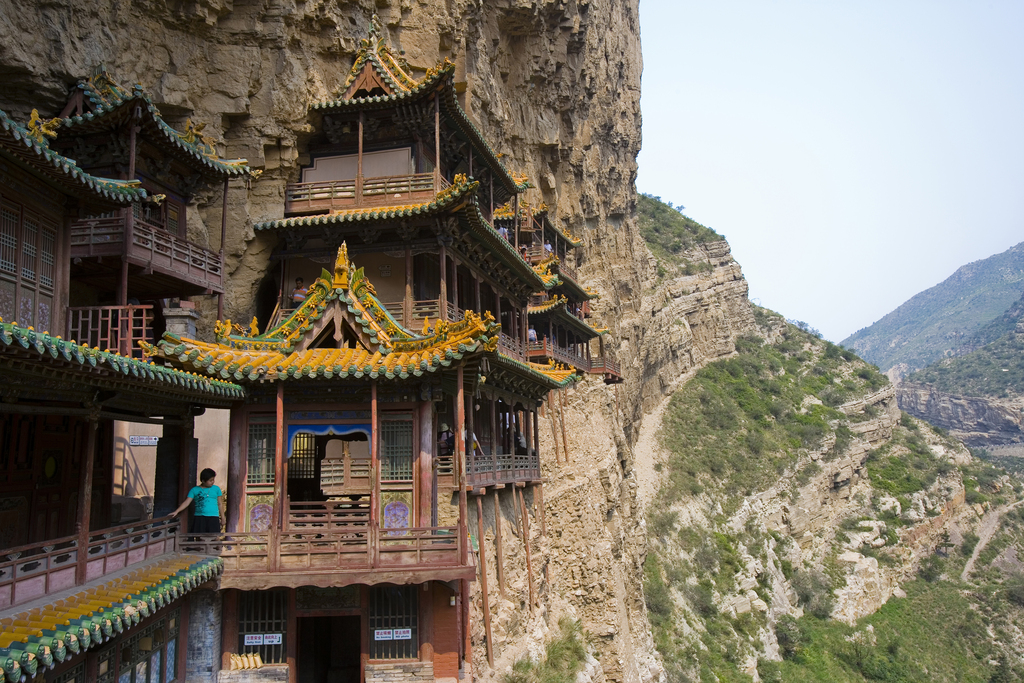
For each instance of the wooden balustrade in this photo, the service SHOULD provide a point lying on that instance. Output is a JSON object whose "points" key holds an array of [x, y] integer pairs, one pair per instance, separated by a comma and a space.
{"points": [[546, 349], [329, 514], [324, 196], [32, 571], [150, 245], [501, 468], [352, 548], [511, 346], [118, 328]]}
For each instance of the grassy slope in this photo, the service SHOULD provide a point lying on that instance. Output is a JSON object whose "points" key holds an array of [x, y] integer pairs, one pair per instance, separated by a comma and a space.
{"points": [[668, 233], [995, 370], [942, 318]]}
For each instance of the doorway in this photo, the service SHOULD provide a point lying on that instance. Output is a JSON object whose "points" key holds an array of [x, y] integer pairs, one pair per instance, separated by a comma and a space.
{"points": [[329, 649]]}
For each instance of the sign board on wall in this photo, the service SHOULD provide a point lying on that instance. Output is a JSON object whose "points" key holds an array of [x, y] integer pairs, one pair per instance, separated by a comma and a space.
{"points": [[138, 440], [271, 638], [253, 638], [383, 634], [403, 634]]}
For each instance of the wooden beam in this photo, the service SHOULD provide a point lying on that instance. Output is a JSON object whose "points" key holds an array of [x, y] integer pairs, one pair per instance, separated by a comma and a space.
{"points": [[85, 501], [526, 547], [228, 627], [460, 463], [483, 580], [554, 428], [426, 471], [279, 445], [292, 639], [561, 417], [499, 551]]}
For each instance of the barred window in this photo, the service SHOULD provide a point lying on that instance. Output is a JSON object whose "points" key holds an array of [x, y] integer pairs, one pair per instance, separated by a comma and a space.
{"points": [[147, 656], [393, 621], [262, 449], [396, 448], [262, 614], [302, 462], [28, 266], [75, 674]]}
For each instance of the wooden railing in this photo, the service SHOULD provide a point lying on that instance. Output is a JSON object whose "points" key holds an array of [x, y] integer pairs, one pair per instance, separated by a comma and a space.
{"points": [[118, 328], [510, 346], [501, 468], [39, 569], [151, 245], [330, 515], [455, 313], [545, 349], [605, 366], [324, 196], [356, 547]]}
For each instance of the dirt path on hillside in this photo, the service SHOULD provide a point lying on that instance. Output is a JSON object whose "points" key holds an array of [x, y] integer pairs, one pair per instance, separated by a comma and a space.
{"points": [[987, 529]]}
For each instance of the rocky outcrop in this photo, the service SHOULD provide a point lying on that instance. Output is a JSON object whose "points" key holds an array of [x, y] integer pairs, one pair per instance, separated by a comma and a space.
{"points": [[977, 421]]}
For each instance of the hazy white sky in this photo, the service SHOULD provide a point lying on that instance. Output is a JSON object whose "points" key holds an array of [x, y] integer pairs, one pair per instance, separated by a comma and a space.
{"points": [[854, 153]]}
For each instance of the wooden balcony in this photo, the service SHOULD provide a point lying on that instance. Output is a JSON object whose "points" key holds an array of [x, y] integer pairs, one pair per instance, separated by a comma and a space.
{"points": [[326, 196], [546, 350], [34, 571], [607, 367], [118, 328], [501, 468], [152, 248], [334, 549]]}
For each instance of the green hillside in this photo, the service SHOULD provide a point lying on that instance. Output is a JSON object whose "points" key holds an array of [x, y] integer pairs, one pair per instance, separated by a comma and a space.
{"points": [[995, 370], [668, 233], [940, 320]]}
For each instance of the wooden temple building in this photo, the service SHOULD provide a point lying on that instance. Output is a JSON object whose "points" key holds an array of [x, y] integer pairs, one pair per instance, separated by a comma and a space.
{"points": [[82, 597], [370, 403]]}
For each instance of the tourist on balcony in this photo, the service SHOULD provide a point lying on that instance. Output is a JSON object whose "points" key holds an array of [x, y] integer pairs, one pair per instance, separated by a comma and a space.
{"points": [[503, 231], [531, 335], [445, 440], [209, 514], [547, 247], [524, 252], [300, 291]]}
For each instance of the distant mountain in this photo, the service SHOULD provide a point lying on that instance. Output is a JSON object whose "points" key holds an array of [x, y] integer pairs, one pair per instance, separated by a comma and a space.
{"points": [[947, 318]]}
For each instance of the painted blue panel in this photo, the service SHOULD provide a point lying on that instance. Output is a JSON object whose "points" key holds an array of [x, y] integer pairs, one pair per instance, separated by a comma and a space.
{"points": [[324, 430]]}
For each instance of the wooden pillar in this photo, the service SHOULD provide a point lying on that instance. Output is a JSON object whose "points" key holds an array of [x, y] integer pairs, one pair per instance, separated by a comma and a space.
{"points": [[407, 305], [526, 545], [554, 428], [527, 430], [498, 549], [223, 239], [497, 306], [539, 488], [85, 500], [426, 459], [238, 464], [561, 417], [483, 580], [276, 522], [228, 627], [437, 144], [460, 463], [536, 436], [476, 288], [359, 164], [292, 639], [443, 308], [494, 431], [515, 220], [186, 431], [491, 175], [374, 475], [471, 169], [470, 434], [455, 282]]}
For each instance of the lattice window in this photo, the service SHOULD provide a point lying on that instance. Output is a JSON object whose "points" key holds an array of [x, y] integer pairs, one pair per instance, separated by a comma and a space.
{"points": [[302, 462], [263, 613], [75, 674], [105, 667], [9, 241], [262, 449], [393, 621], [172, 219], [29, 235], [142, 655], [47, 256], [396, 449]]}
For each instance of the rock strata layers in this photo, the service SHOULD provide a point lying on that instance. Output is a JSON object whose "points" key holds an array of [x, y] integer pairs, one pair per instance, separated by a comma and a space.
{"points": [[977, 421]]}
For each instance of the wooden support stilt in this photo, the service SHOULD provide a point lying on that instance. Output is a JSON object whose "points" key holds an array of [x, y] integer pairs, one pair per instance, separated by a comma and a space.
{"points": [[85, 500], [483, 580], [526, 547], [500, 552], [561, 417], [554, 428]]}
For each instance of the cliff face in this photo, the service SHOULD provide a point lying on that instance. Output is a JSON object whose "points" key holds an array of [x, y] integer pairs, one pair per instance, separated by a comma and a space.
{"points": [[555, 86], [977, 421]]}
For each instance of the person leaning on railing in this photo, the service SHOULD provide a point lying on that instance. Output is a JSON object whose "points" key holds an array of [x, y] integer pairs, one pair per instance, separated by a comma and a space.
{"points": [[209, 515]]}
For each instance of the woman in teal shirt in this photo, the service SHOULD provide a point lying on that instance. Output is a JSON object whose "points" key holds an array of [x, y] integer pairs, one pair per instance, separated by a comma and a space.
{"points": [[208, 517]]}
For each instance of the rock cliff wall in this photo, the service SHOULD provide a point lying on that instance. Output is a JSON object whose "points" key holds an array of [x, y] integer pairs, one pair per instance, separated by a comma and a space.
{"points": [[977, 421]]}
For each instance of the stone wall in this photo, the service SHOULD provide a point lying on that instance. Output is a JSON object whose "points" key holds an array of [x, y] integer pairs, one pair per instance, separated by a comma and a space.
{"points": [[400, 672], [203, 661]]}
